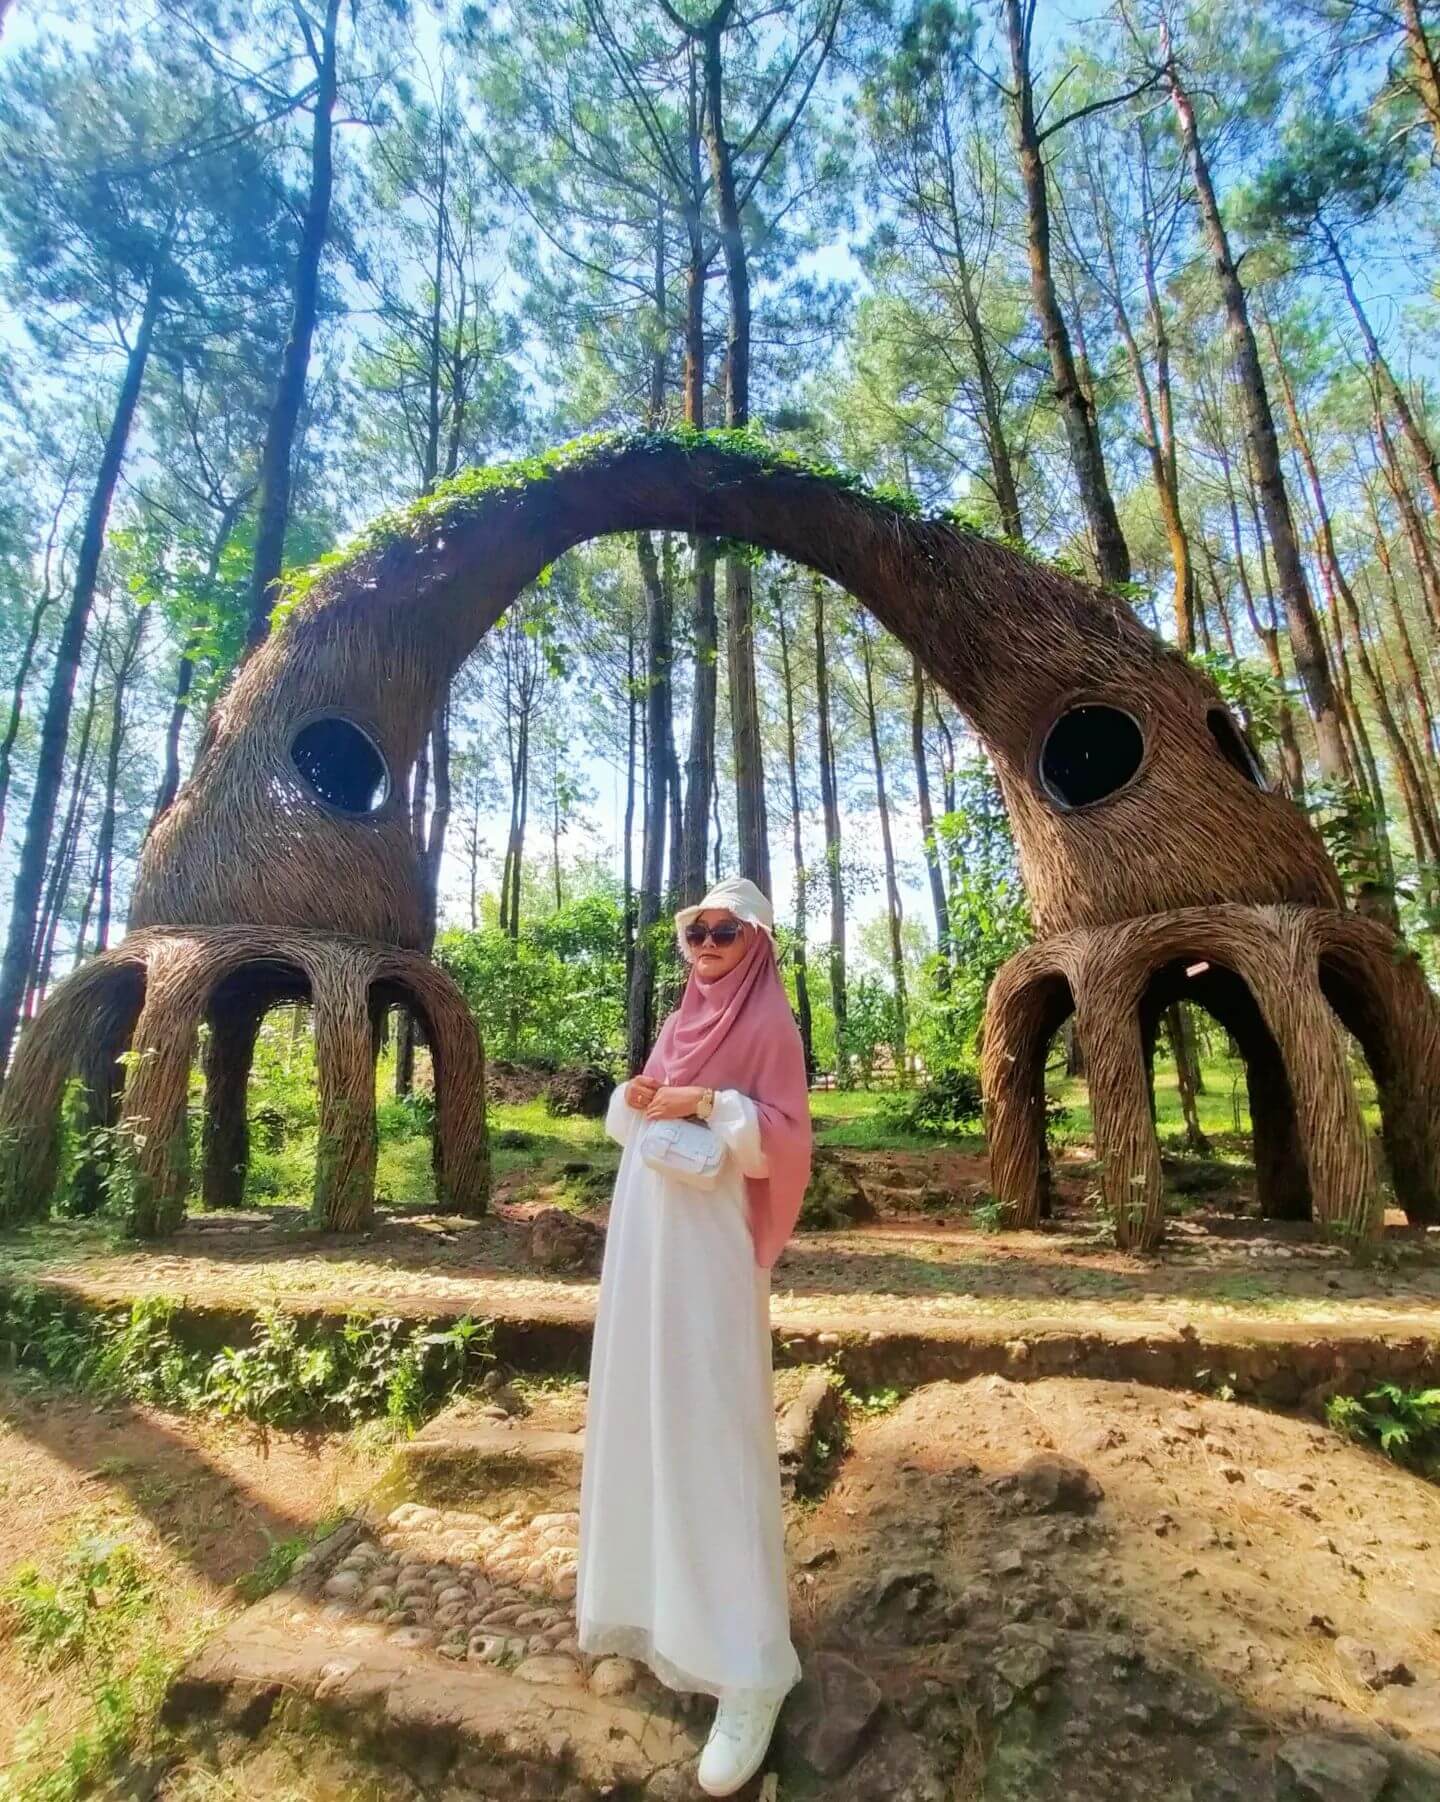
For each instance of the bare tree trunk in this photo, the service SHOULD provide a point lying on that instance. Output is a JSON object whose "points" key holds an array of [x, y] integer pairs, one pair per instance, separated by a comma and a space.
{"points": [[185, 674], [892, 886], [105, 844], [1187, 1078], [927, 815], [55, 729], [754, 845], [1082, 433], [1306, 642], [802, 977], [641, 1010], [1422, 63], [58, 878], [284, 418], [831, 807]]}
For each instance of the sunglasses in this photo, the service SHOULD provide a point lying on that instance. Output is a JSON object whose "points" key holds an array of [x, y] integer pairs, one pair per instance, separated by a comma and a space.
{"points": [[725, 933]]}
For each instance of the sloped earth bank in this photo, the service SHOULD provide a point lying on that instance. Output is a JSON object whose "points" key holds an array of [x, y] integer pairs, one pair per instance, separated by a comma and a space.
{"points": [[1060, 1591]]}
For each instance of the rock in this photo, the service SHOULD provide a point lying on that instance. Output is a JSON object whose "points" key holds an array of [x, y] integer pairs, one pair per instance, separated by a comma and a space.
{"points": [[834, 1197], [1373, 1668], [896, 1766], [562, 1241], [411, 1639], [1025, 1655], [826, 1715], [548, 1667], [345, 1585], [1322, 1769], [583, 1089], [614, 1676], [1051, 1484]]}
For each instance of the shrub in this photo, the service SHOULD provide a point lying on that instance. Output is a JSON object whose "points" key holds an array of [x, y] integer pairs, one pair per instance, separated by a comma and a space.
{"points": [[950, 1101]]}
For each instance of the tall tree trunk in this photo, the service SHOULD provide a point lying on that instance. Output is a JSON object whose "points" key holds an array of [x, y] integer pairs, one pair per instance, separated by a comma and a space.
{"points": [[1422, 63], [1421, 556], [992, 413], [1082, 433], [185, 674], [58, 879], [275, 458], [754, 845], [831, 807], [1292, 761], [892, 886], [105, 845], [1306, 641], [1337, 583], [927, 814], [1187, 1078], [802, 976], [17, 692], [55, 729], [641, 1010], [628, 854]]}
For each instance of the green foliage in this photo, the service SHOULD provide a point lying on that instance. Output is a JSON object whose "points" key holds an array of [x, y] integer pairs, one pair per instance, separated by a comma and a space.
{"points": [[1403, 1423], [83, 1612], [948, 1102], [558, 990], [1249, 688], [988, 1216], [289, 1375]]}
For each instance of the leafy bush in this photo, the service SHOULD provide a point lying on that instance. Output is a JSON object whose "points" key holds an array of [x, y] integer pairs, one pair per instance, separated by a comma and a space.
{"points": [[951, 1100], [1403, 1423], [557, 990], [290, 1375]]}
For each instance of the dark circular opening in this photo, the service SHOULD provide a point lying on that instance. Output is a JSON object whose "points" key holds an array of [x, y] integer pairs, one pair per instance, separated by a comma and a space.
{"points": [[1231, 744], [1089, 753], [342, 764]]}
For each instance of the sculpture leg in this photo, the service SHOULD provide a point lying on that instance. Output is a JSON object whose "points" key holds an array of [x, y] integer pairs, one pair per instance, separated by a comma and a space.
{"points": [[1282, 1184], [345, 1159], [1026, 1004], [154, 1120], [1381, 995], [225, 1139], [462, 1143], [1107, 1017], [1282, 972]]}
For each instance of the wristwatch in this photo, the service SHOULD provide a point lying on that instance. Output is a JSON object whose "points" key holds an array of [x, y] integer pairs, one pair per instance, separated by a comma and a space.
{"points": [[705, 1105]]}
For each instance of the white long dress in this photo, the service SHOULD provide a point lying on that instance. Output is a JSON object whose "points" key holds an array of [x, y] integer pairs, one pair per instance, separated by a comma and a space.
{"points": [[682, 1540]]}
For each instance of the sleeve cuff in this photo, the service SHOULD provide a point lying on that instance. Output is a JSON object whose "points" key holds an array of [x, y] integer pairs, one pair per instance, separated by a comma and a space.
{"points": [[736, 1119]]}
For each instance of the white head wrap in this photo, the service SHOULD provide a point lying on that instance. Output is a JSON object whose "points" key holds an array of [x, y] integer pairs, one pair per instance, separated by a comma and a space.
{"points": [[739, 896]]}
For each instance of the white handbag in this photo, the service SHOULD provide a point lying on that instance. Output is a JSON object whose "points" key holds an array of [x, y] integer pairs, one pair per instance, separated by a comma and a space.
{"points": [[686, 1149]]}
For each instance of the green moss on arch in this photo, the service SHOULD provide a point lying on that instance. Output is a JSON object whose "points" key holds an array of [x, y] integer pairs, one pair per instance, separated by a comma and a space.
{"points": [[472, 488]]}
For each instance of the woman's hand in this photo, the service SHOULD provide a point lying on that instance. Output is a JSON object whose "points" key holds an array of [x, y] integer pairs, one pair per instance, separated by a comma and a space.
{"points": [[673, 1103], [640, 1091]]}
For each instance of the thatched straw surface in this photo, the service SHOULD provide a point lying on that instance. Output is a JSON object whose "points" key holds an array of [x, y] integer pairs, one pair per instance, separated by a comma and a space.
{"points": [[1012, 641], [163, 984], [1286, 981]]}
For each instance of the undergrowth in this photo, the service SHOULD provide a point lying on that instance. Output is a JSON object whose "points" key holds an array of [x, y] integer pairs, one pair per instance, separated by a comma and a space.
{"points": [[1402, 1423], [290, 1375]]}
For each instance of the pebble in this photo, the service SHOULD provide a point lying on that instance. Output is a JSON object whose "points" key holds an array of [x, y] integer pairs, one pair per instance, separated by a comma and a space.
{"points": [[549, 1667], [412, 1639], [614, 1676], [345, 1584]]}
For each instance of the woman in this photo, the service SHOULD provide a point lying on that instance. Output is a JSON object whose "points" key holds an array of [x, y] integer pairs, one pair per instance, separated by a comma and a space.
{"points": [[682, 1554]]}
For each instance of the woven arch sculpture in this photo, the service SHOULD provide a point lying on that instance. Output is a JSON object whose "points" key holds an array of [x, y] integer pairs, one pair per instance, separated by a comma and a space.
{"points": [[1144, 831]]}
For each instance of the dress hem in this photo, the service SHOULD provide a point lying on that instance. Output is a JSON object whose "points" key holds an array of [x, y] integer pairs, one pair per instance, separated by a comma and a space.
{"points": [[638, 1643]]}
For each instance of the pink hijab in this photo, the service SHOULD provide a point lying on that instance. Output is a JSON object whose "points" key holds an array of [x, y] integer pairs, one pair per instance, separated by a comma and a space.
{"points": [[738, 1033]]}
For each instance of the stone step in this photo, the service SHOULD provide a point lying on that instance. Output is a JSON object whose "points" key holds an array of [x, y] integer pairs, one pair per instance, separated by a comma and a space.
{"points": [[444, 1640], [476, 1453]]}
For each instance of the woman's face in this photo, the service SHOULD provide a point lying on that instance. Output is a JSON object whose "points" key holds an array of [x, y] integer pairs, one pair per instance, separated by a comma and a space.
{"points": [[711, 960]]}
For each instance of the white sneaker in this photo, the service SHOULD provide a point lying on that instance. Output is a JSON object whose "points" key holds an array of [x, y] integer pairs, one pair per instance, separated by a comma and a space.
{"points": [[739, 1738]]}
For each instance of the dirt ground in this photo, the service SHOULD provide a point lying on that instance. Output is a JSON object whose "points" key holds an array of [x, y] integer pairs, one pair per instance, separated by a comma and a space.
{"points": [[1244, 1578], [199, 1504], [1214, 1264]]}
